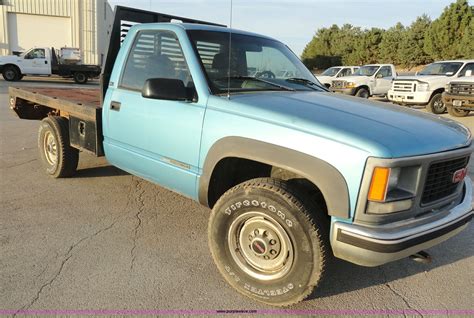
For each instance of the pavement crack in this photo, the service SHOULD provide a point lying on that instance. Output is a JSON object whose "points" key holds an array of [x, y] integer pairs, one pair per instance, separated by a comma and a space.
{"points": [[67, 256], [19, 164], [136, 231], [400, 295]]}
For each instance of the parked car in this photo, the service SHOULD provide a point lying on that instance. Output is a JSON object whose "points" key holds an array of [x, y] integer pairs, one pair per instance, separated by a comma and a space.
{"points": [[426, 88], [44, 62], [369, 80], [331, 73], [459, 95], [292, 172]]}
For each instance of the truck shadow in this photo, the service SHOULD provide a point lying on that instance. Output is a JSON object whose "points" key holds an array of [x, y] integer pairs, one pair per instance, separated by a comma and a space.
{"points": [[342, 277], [101, 171]]}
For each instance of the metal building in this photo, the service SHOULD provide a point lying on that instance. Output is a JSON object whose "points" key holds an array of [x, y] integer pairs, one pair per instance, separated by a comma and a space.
{"points": [[83, 24]]}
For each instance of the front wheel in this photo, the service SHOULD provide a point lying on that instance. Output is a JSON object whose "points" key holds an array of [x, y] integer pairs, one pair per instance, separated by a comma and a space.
{"points": [[11, 73], [457, 112], [362, 93], [436, 104], [57, 156], [80, 78], [267, 242]]}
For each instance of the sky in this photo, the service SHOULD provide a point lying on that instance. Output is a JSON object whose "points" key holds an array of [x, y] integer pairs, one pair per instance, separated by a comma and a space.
{"points": [[294, 22]]}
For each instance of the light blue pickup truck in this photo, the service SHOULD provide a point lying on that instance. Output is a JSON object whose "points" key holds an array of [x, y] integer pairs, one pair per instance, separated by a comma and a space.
{"points": [[293, 174]]}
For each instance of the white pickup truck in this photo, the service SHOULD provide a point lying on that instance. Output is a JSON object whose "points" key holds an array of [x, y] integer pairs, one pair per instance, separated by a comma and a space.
{"points": [[427, 86], [43, 61], [369, 80], [334, 72]]}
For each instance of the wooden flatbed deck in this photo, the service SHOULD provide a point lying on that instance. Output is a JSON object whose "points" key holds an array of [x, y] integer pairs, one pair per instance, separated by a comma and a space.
{"points": [[80, 106], [79, 102]]}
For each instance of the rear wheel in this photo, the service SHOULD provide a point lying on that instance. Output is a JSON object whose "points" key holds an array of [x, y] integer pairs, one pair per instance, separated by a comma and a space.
{"points": [[268, 243], [457, 112], [363, 93], [11, 73], [80, 78], [436, 104], [57, 156]]}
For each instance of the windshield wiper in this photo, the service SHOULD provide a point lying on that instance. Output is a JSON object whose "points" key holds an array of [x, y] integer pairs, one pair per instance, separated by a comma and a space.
{"points": [[263, 81], [305, 81]]}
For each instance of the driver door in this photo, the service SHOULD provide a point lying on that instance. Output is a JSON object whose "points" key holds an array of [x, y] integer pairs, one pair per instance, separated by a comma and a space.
{"points": [[383, 80], [35, 62]]}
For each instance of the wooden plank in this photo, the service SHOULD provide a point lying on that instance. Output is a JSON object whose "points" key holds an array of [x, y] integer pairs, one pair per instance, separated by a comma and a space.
{"points": [[82, 103]]}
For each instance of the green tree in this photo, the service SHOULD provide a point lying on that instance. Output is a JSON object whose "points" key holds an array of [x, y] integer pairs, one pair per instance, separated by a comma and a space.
{"points": [[411, 50], [391, 44], [453, 27]]}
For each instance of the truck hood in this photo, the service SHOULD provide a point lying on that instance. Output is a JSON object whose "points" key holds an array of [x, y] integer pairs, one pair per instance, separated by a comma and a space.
{"points": [[8, 59], [383, 130], [426, 78], [355, 79], [325, 79]]}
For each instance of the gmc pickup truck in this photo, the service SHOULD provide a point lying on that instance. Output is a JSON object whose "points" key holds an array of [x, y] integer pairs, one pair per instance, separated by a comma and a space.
{"points": [[427, 86], [293, 173], [369, 80], [44, 62]]}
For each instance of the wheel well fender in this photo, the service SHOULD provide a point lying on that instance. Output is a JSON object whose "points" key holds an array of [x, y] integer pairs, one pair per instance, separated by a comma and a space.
{"points": [[323, 175], [437, 91], [13, 65]]}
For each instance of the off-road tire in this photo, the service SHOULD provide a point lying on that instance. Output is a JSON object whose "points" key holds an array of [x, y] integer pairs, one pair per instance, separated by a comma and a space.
{"points": [[53, 142], [362, 93], [11, 73], [457, 112], [80, 78], [280, 203], [433, 104]]}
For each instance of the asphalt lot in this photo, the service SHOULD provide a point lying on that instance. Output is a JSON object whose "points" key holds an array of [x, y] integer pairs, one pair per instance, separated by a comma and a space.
{"points": [[109, 240]]}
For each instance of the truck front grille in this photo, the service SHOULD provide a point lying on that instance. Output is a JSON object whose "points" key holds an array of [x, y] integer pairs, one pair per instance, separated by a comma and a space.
{"points": [[461, 88], [338, 84], [439, 181], [404, 86]]}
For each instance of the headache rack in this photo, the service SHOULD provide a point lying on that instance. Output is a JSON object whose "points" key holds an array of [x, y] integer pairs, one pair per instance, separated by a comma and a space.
{"points": [[124, 19]]}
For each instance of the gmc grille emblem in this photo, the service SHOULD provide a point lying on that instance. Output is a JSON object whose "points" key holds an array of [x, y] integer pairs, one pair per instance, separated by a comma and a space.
{"points": [[459, 175]]}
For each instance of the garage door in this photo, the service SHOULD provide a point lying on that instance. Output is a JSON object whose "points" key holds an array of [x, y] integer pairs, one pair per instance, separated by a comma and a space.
{"points": [[26, 31]]}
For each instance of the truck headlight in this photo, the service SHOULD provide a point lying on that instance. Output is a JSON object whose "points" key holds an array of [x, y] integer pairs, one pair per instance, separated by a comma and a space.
{"points": [[350, 85], [447, 87], [422, 87], [392, 189]]}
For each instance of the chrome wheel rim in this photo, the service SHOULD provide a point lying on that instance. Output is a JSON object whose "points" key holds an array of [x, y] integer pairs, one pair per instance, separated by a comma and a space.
{"points": [[50, 148], [438, 105], [80, 77], [260, 246]]}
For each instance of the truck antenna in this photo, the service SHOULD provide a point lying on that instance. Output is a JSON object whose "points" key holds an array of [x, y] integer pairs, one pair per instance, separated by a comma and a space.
{"points": [[230, 51]]}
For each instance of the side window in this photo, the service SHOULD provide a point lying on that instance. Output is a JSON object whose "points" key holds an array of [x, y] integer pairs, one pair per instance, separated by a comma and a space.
{"points": [[468, 67], [345, 72], [385, 71], [35, 54], [155, 54]]}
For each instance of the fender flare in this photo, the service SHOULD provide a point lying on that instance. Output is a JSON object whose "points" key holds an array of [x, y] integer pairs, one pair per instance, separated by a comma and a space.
{"points": [[327, 178]]}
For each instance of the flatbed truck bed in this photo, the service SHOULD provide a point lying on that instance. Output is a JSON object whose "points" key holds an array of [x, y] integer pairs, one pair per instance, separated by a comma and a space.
{"points": [[82, 107]]}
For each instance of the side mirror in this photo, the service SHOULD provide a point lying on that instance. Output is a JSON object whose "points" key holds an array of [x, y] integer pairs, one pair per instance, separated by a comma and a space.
{"points": [[379, 75], [165, 88], [468, 73]]}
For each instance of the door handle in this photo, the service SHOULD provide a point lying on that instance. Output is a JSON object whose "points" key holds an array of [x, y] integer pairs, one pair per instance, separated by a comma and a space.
{"points": [[115, 106], [45, 62]]}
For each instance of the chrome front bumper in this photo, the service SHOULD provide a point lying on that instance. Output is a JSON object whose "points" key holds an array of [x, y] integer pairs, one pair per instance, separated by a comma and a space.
{"points": [[373, 246]]}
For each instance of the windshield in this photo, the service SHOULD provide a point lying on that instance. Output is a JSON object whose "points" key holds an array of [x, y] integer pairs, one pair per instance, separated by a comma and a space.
{"points": [[257, 64], [332, 71], [367, 70], [448, 68]]}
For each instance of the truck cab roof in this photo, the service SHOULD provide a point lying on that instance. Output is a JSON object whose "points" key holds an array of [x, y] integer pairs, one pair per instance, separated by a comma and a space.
{"points": [[195, 26]]}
